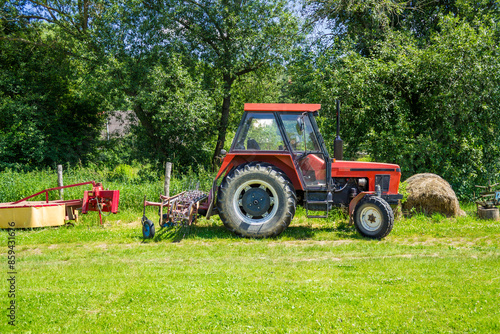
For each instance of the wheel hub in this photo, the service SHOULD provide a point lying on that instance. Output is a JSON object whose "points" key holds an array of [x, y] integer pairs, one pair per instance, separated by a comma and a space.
{"points": [[256, 201], [371, 218]]}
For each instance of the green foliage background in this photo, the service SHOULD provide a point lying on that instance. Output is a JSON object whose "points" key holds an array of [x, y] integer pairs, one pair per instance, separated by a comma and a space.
{"points": [[48, 114], [419, 81]]}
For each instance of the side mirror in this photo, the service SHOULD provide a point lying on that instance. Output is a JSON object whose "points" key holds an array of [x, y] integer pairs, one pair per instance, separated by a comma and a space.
{"points": [[300, 125], [223, 152]]}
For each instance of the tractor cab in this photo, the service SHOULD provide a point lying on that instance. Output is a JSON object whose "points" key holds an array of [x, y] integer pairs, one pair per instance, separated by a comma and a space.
{"points": [[286, 129]]}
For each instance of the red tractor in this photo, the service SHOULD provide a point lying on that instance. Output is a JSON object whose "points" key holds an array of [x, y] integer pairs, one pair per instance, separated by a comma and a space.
{"points": [[278, 159]]}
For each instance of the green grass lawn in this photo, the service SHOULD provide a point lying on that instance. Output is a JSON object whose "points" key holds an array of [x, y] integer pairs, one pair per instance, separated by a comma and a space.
{"points": [[430, 275]]}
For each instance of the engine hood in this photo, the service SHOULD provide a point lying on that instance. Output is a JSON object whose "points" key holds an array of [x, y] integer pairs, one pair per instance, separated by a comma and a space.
{"points": [[358, 166]]}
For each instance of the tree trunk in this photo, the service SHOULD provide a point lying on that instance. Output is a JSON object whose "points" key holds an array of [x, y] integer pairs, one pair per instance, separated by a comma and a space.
{"points": [[83, 8], [147, 124], [224, 118]]}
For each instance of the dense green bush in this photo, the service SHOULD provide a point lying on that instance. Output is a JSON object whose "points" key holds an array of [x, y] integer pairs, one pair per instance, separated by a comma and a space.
{"points": [[48, 112]]}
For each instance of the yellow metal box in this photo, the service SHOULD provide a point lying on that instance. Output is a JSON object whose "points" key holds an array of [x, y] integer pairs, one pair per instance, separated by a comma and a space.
{"points": [[31, 214]]}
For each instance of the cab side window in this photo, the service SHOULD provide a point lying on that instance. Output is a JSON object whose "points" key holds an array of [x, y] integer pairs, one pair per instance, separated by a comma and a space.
{"points": [[259, 133]]}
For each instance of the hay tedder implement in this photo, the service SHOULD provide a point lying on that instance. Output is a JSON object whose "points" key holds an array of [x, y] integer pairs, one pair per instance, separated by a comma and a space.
{"points": [[179, 210], [25, 214], [278, 160]]}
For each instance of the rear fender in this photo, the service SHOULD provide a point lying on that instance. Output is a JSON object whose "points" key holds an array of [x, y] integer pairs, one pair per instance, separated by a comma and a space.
{"points": [[211, 200], [227, 165], [281, 160]]}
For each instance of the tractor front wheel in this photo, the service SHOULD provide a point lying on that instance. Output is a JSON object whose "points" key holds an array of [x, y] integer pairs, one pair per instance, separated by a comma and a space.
{"points": [[256, 200], [373, 217]]}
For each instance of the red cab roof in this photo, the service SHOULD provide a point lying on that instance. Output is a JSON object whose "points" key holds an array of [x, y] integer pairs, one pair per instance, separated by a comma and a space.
{"points": [[291, 107]]}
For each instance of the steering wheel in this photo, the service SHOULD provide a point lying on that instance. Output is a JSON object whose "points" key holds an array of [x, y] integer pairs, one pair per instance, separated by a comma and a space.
{"points": [[302, 155]]}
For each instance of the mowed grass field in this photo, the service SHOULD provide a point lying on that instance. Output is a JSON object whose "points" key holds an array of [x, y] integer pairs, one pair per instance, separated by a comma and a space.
{"points": [[430, 275]]}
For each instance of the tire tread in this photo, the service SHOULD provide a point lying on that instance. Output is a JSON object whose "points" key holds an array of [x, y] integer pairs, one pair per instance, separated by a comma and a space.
{"points": [[224, 198], [386, 209]]}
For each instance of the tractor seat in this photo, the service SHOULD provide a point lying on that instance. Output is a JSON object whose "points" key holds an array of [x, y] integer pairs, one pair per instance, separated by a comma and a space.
{"points": [[252, 144]]}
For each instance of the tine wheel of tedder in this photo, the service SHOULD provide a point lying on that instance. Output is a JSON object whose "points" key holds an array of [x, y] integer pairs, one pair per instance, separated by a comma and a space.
{"points": [[180, 210]]}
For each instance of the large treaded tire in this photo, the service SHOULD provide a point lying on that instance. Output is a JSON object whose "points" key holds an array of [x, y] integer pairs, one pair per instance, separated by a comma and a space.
{"points": [[373, 217], [268, 184]]}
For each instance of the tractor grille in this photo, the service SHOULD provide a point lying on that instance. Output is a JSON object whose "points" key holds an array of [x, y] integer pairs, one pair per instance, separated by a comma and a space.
{"points": [[383, 181]]}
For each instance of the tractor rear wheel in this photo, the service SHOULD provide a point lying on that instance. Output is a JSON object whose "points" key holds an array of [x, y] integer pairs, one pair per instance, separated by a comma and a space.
{"points": [[256, 200], [373, 217]]}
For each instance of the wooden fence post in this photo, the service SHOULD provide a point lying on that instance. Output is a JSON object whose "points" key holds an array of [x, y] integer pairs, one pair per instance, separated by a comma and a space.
{"points": [[60, 180], [168, 171]]}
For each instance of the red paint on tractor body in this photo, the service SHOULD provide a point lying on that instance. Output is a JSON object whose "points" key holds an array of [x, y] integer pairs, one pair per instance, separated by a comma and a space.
{"points": [[279, 159], [340, 168], [361, 169], [313, 163]]}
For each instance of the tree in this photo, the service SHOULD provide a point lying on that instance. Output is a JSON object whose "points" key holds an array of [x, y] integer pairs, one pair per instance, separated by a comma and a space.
{"points": [[123, 60], [51, 111], [47, 115], [364, 22], [368, 22], [126, 42], [231, 37], [174, 113]]}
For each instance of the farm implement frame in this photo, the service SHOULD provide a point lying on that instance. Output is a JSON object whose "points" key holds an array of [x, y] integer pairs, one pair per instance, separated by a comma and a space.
{"points": [[24, 213]]}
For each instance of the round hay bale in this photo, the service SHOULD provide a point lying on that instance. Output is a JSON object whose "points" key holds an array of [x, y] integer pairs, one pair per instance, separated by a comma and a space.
{"points": [[430, 193]]}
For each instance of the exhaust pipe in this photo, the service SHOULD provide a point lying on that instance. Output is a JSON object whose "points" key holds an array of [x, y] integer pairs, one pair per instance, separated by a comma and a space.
{"points": [[338, 144]]}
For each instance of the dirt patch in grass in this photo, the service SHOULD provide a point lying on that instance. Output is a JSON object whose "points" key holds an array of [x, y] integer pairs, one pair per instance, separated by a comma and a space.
{"points": [[470, 242], [35, 251], [311, 242], [323, 258], [133, 224]]}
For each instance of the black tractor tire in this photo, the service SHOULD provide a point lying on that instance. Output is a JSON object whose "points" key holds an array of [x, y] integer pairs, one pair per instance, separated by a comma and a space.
{"points": [[148, 229], [256, 200], [373, 217]]}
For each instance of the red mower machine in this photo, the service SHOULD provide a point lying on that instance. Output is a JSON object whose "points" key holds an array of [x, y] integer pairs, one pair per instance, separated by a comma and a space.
{"points": [[278, 160], [24, 213]]}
